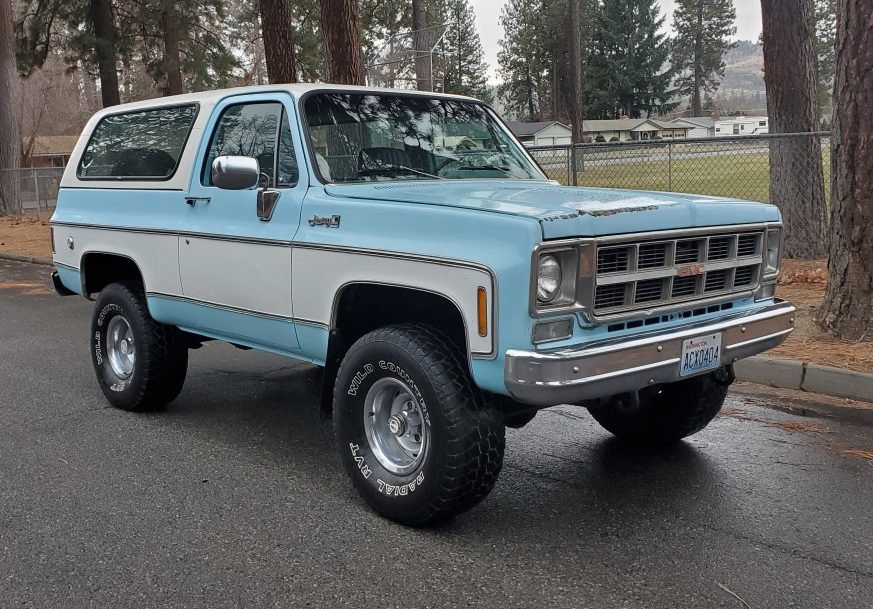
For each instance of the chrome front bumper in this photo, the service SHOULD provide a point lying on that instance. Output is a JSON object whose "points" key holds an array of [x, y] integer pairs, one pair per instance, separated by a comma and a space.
{"points": [[612, 366]]}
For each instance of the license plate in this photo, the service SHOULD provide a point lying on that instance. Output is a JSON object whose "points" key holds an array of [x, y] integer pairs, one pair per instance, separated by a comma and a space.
{"points": [[700, 353]]}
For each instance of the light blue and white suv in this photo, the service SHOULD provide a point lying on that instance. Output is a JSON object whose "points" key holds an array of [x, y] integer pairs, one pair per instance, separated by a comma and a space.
{"points": [[409, 244]]}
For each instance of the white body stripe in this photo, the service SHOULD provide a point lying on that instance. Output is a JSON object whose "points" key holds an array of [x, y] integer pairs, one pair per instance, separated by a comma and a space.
{"points": [[319, 274], [156, 255], [242, 275]]}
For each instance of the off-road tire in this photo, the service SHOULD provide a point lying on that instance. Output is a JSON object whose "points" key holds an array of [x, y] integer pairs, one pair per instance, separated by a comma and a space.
{"points": [[466, 432], [161, 353], [666, 413]]}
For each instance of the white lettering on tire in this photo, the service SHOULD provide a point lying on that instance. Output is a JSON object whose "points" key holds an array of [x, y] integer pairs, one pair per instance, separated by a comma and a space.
{"points": [[400, 490]]}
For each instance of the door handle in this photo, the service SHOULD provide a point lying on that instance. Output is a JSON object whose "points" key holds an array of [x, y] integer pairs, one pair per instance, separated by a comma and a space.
{"points": [[193, 200]]}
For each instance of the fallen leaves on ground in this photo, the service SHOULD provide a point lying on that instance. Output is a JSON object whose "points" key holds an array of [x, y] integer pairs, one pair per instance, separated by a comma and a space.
{"points": [[864, 454]]}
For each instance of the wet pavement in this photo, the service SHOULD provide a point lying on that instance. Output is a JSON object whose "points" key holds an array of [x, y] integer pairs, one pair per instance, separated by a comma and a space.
{"points": [[235, 497]]}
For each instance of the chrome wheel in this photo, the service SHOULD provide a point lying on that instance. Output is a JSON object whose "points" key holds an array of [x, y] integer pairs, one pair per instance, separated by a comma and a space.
{"points": [[120, 347], [395, 427]]}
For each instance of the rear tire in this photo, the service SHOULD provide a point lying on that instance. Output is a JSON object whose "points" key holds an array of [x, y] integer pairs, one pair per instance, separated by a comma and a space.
{"points": [[140, 364], [665, 413], [417, 439]]}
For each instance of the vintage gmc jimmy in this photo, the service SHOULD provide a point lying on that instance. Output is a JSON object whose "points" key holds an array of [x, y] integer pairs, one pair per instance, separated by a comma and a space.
{"points": [[410, 245]]}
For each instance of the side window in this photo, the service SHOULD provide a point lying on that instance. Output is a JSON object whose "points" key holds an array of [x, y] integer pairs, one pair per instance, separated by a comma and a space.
{"points": [[246, 130], [142, 145], [289, 172]]}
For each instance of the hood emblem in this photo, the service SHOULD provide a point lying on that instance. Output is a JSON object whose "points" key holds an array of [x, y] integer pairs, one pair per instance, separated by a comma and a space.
{"points": [[689, 271]]}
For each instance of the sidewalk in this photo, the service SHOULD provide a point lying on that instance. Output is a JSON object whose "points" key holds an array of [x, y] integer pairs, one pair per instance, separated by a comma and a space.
{"points": [[809, 360]]}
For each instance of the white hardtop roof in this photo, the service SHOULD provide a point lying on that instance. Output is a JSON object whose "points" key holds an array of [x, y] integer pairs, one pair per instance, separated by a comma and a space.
{"points": [[295, 89]]}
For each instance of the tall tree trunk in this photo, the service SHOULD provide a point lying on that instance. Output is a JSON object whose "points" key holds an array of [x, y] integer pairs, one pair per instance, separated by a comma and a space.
{"points": [[847, 311], [100, 16], [172, 61], [796, 178], [342, 46], [577, 92], [278, 41], [530, 96], [420, 42], [556, 88], [696, 102], [10, 129]]}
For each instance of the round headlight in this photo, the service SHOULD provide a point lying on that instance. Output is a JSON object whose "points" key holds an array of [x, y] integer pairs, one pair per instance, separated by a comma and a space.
{"points": [[548, 278]]}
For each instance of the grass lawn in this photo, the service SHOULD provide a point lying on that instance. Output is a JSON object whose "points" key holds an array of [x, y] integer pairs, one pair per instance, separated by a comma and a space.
{"points": [[743, 176]]}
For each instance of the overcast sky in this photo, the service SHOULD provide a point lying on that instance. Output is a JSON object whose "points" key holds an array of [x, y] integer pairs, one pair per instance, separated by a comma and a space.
{"points": [[488, 20]]}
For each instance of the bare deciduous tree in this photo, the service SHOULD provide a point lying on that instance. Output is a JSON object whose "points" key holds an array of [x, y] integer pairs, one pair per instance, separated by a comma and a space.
{"points": [[790, 74], [847, 311]]}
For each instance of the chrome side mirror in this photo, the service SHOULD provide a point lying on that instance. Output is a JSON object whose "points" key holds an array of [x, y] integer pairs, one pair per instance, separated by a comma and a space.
{"points": [[235, 172]]}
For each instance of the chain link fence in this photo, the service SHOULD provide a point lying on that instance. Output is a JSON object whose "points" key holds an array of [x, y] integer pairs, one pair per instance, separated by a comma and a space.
{"points": [[737, 167], [38, 188]]}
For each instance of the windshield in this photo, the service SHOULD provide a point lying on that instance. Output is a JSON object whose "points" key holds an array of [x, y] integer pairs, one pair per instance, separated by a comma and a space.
{"points": [[360, 137]]}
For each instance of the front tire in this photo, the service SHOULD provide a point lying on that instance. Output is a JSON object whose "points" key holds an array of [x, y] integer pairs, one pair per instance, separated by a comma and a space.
{"points": [[416, 437], [664, 414], [140, 364]]}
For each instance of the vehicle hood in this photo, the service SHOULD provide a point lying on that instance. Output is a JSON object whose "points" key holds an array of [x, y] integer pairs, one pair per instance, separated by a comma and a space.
{"points": [[565, 211]]}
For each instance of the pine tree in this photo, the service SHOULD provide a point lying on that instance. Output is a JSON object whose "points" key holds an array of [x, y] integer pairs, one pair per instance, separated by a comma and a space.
{"points": [[703, 30], [825, 40], [626, 73], [466, 70], [522, 59]]}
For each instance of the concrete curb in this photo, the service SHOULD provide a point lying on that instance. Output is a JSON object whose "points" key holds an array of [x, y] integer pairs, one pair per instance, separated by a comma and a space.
{"points": [[28, 259], [804, 376]]}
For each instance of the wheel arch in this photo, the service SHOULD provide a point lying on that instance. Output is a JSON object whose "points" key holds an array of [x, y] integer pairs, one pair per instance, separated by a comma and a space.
{"points": [[98, 269], [353, 315]]}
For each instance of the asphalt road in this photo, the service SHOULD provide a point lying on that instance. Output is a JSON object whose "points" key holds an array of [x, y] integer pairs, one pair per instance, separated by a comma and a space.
{"points": [[234, 497]]}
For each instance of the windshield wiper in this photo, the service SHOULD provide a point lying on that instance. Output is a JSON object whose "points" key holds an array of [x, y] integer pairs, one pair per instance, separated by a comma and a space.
{"points": [[396, 168], [485, 168]]}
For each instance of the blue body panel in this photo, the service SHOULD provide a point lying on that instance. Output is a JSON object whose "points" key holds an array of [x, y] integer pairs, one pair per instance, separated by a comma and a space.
{"points": [[491, 223]]}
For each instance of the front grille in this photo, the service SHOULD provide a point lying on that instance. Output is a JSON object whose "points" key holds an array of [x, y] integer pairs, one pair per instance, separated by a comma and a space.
{"points": [[716, 281], [613, 260], [652, 256], [633, 276], [748, 245], [649, 290], [745, 275], [609, 296]]}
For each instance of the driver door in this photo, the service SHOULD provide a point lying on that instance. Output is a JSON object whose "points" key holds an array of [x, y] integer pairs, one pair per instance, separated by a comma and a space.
{"points": [[234, 257]]}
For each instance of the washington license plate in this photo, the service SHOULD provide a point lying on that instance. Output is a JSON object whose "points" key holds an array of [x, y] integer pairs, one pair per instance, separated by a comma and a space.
{"points": [[700, 354]]}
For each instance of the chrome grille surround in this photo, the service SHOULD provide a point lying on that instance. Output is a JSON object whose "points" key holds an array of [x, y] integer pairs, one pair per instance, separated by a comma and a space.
{"points": [[728, 264], [693, 268]]}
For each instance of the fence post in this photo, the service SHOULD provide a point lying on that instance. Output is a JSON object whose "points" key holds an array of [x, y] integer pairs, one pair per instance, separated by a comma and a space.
{"points": [[36, 192], [670, 166], [575, 168], [569, 164]]}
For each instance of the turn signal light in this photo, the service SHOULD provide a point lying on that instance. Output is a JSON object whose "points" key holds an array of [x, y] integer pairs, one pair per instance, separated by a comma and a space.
{"points": [[482, 301]]}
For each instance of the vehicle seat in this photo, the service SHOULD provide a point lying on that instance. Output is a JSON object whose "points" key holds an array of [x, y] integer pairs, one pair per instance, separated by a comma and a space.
{"points": [[143, 162], [376, 158]]}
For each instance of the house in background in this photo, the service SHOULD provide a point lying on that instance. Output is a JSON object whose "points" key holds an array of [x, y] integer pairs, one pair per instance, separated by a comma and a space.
{"points": [[632, 129], [554, 133], [542, 133], [698, 126], [741, 125], [47, 150]]}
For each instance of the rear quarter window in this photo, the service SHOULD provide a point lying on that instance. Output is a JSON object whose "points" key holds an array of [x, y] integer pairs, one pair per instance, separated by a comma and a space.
{"points": [[140, 145]]}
